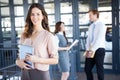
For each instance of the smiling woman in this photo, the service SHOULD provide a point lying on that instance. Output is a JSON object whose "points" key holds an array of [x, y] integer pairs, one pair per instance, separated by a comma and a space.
{"points": [[36, 16], [37, 35]]}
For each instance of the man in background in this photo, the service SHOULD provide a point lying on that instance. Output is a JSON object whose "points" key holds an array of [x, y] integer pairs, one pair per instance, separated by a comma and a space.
{"points": [[95, 46]]}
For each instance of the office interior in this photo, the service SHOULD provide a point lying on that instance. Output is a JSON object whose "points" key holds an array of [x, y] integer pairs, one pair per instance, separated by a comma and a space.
{"points": [[74, 13]]}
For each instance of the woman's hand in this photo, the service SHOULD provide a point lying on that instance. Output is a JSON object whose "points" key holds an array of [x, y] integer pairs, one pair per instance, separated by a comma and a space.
{"points": [[22, 64], [68, 48], [31, 58]]}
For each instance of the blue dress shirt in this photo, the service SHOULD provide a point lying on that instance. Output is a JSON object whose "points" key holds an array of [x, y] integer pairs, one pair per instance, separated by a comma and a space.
{"points": [[96, 36]]}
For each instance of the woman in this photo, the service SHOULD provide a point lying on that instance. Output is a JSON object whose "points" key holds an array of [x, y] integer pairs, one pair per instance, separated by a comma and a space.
{"points": [[37, 35], [62, 50]]}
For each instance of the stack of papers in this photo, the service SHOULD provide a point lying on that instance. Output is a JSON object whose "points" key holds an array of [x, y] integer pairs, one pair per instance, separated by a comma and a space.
{"points": [[74, 43]]}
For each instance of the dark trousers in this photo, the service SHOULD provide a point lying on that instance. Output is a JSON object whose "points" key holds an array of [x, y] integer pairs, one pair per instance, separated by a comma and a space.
{"points": [[35, 74], [98, 60]]}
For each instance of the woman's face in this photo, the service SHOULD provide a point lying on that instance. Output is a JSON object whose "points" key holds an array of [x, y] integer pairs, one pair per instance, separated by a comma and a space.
{"points": [[36, 16], [62, 27]]}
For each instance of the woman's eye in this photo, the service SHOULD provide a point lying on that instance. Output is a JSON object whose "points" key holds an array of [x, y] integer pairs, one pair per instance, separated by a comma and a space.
{"points": [[38, 14], [32, 14]]}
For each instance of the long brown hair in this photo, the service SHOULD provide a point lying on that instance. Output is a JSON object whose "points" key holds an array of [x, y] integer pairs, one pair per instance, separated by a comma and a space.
{"points": [[29, 25], [58, 29]]}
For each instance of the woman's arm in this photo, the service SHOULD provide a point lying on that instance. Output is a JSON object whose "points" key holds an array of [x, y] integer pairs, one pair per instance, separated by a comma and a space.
{"points": [[36, 59], [63, 48]]}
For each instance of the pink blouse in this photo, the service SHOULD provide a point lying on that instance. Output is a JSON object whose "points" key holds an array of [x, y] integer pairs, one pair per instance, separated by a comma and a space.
{"points": [[44, 47]]}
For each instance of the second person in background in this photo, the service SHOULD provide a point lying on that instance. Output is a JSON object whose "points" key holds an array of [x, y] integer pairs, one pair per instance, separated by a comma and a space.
{"points": [[64, 63]]}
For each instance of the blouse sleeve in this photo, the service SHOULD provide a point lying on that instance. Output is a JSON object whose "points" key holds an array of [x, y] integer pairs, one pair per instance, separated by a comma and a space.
{"points": [[52, 47]]}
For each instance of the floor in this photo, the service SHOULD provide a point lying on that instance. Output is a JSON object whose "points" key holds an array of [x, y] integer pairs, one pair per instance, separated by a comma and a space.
{"points": [[82, 76], [79, 76]]}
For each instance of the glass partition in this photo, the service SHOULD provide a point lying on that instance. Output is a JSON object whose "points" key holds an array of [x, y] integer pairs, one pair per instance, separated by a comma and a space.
{"points": [[6, 31], [69, 31], [67, 19], [105, 8], [5, 11], [4, 2], [30, 1], [83, 5], [84, 19], [49, 8], [48, 0], [106, 17], [6, 23], [66, 7], [51, 19], [19, 22], [18, 11], [18, 1]]}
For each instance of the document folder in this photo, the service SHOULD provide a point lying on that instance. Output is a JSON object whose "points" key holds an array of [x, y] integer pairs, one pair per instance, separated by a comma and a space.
{"points": [[24, 50]]}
